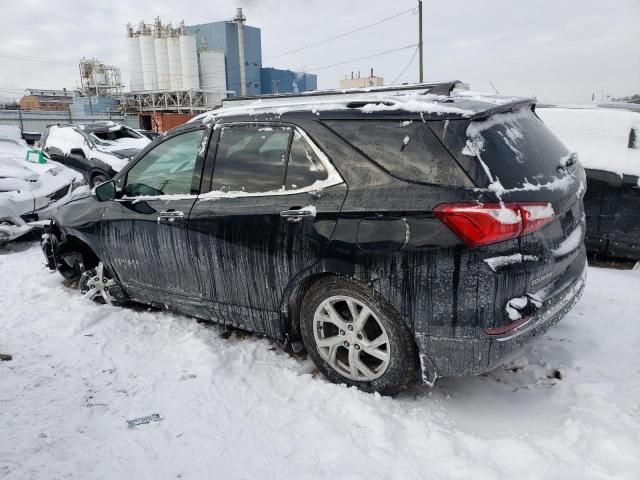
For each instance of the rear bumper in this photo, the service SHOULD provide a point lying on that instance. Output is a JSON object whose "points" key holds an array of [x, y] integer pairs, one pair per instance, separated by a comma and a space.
{"points": [[454, 357]]}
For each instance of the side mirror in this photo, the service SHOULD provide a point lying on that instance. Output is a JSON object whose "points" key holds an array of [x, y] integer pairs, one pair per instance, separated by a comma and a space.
{"points": [[106, 191], [77, 151]]}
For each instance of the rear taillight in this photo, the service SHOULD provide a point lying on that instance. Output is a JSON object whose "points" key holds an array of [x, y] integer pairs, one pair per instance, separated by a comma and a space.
{"points": [[483, 223]]}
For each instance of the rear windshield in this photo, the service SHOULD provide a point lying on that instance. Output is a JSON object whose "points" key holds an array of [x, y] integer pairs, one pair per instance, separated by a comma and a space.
{"points": [[406, 149], [517, 148]]}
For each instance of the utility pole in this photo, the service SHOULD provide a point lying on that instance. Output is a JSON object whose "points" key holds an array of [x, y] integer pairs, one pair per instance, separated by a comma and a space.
{"points": [[420, 39]]}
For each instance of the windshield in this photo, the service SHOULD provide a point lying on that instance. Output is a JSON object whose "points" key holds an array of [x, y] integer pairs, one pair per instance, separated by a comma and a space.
{"points": [[113, 135]]}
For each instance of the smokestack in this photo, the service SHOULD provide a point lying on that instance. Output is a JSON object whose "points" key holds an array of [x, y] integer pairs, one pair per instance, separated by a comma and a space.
{"points": [[372, 73], [240, 19]]}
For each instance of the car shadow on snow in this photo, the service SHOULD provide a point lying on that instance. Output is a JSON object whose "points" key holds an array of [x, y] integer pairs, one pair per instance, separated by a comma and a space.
{"points": [[21, 244]]}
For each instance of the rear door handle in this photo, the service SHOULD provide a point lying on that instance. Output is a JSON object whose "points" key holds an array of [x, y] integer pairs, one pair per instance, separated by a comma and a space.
{"points": [[297, 214], [170, 215]]}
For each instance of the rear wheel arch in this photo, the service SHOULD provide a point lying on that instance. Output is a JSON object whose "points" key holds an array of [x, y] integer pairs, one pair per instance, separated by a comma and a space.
{"points": [[294, 293], [401, 365]]}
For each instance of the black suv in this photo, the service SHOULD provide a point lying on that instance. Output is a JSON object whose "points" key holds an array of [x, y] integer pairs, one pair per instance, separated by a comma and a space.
{"points": [[396, 234], [98, 150]]}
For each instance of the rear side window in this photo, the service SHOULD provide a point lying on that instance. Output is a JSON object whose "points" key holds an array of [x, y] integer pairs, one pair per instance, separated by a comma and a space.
{"points": [[406, 149], [250, 159], [517, 147], [263, 159]]}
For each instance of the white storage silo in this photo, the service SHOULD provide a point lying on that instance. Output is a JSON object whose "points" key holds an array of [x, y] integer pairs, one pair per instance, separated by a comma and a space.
{"points": [[136, 82], [175, 65], [162, 63], [189, 59], [148, 55], [213, 76]]}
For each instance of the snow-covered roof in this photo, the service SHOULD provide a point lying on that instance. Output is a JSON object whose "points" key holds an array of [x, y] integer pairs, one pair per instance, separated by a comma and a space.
{"points": [[449, 101]]}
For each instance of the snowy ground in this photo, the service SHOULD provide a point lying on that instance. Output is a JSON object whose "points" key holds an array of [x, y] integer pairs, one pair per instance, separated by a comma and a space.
{"points": [[241, 408], [599, 135]]}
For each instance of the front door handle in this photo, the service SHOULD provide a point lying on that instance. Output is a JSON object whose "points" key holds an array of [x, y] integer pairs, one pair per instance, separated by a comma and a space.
{"points": [[297, 214], [170, 215]]}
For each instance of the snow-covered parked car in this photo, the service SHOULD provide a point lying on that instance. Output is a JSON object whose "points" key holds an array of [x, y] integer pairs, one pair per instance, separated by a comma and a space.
{"points": [[98, 150], [29, 192], [600, 136]]}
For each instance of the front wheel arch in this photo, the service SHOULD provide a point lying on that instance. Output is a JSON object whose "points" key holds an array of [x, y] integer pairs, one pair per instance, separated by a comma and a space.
{"points": [[67, 252]]}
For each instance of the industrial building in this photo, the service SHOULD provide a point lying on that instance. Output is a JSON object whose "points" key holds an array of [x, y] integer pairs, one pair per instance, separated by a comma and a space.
{"points": [[192, 68], [361, 82], [55, 100], [286, 81]]}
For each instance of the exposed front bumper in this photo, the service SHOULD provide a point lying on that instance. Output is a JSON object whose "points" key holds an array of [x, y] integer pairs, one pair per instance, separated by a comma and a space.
{"points": [[454, 357]]}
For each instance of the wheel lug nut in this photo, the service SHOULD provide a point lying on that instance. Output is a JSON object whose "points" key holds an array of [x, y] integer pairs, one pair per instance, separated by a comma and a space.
{"points": [[359, 336], [346, 344], [357, 347], [350, 327], [341, 332]]}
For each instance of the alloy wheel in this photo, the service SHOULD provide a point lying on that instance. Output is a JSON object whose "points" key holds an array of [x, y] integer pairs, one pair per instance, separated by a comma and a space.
{"points": [[351, 339], [97, 285]]}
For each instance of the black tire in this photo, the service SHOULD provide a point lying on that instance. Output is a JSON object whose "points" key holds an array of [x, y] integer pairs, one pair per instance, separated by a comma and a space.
{"points": [[403, 361], [98, 178]]}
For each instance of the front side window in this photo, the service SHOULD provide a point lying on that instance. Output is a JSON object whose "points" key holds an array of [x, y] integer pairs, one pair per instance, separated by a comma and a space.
{"points": [[250, 159], [167, 169]]}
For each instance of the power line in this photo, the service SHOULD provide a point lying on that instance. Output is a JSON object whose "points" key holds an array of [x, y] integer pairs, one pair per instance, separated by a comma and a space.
{"points": [[36, 59], [342, 35], [407, 66], [362, 58]]}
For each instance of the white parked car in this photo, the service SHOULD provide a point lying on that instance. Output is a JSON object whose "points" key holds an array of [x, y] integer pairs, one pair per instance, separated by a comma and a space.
{"points": [[29, 192], [98, 150]]}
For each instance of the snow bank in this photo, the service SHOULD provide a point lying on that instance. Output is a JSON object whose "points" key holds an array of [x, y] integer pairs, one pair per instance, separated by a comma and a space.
{"points": [[240, 408], [599, 135]]}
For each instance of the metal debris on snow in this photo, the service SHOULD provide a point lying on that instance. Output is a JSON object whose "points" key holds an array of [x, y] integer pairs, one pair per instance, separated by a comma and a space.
{"points": [[156, 417]]}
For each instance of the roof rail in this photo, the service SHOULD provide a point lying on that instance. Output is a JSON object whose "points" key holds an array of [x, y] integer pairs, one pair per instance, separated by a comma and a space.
{"points": [[436, 88]]}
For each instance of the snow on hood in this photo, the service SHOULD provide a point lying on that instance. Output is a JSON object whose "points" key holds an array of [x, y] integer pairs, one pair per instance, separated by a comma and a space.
{"points": [[25, 186], [9, 168]]}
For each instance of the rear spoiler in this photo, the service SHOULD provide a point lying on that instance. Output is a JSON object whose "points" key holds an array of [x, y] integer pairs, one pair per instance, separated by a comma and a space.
{"points": [[507, 107]]}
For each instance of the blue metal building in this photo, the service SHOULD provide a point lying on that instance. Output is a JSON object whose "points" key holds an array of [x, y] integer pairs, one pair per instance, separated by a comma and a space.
{"points": [[83, 106], [275, 80], [224, 36]]}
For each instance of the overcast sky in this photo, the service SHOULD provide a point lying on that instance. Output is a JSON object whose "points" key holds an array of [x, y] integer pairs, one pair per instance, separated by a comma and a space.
{"points": [[557, 50]]}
